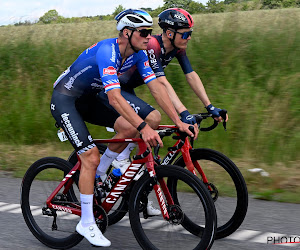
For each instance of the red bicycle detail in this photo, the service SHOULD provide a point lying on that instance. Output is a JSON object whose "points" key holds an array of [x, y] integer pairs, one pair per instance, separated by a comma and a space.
{"points": [[186, 205]]}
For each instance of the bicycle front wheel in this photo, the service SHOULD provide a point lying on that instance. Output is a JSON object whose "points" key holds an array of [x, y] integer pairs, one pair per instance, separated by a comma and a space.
{"points": [[195, 203], [55, 229], [227, 187]]}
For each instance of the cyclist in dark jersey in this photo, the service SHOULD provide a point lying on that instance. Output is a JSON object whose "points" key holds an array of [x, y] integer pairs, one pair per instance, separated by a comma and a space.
{"points": [[177, 30], [75, 100]]}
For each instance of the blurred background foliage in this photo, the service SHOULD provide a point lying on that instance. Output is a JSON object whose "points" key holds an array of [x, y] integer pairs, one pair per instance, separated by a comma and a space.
{"points": [[249, 63]]}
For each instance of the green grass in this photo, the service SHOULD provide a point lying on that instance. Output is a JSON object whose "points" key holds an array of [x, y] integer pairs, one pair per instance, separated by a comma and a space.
{"points": [[248, 61]]}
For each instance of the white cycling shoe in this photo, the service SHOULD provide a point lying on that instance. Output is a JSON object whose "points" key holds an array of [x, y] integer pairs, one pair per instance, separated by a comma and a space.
{"points": [[93, 234], [151, 210]]}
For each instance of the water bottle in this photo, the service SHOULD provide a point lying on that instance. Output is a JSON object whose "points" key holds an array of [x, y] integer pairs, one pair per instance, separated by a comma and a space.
{"points": [[112, 179]]}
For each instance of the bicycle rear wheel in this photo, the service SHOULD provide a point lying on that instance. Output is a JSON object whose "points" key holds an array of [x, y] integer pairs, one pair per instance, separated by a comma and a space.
{"points": [[121, 208], [195, 203], [39, 182], [228, 188]]}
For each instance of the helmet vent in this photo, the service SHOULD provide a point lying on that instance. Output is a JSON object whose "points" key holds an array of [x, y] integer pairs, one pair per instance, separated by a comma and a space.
{"points": [[134, 19]]}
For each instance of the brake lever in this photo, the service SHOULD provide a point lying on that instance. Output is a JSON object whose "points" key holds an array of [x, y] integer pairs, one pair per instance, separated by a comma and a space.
{"points": [[156, 156], [223, 113], [192, 129]]}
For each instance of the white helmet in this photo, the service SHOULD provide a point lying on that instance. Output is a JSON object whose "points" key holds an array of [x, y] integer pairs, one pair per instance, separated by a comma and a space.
{"points": [[133, 18]]}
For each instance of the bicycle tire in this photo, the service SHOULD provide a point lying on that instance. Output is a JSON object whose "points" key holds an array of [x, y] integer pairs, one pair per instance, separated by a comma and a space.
{"points": [[35, 182], [115, 215], [230, 216], [179, 238]]}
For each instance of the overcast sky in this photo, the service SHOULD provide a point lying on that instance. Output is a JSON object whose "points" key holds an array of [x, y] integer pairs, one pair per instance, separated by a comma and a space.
{"points": [[13, 11]]}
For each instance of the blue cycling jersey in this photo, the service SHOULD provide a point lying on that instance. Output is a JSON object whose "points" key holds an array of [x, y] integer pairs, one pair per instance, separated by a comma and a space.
{"points": [[99, 66]]}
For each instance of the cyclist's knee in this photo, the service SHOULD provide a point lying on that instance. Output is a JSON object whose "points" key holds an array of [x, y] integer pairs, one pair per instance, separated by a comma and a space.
{"points": [[90, 158], [153, 119], [124, 128]]}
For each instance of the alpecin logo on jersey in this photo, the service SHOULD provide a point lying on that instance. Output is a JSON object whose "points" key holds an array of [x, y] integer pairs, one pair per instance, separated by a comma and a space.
{"points": [[146, 64], [109, 71]]}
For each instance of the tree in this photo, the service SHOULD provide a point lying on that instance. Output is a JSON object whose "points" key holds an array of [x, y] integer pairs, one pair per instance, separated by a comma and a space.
{"points": [[118, 9], [214, 6], [176, 3], [50, 16], [195, 7]]}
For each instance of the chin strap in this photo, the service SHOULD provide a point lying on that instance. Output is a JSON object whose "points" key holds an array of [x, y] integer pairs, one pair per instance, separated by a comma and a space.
{"points": [[172, 40], [129, 39]]}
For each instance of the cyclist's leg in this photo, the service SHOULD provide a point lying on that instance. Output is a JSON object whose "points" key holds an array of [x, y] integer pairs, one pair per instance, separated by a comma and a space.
{"points": [[64, 110], [144, 110], [123, 128]]}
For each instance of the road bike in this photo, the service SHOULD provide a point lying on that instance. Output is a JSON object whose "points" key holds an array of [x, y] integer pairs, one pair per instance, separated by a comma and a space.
{"points": [[220, 175], [51, 208]]}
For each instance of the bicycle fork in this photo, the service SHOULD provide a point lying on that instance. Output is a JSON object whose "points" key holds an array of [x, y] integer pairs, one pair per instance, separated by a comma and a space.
{"points": [[191, 165]]}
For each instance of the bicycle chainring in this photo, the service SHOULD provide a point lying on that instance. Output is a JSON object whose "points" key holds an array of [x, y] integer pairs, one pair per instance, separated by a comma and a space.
{"points": [[101, 218]]}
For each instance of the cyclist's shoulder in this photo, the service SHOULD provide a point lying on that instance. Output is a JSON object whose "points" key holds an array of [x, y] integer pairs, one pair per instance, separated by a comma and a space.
{"points": [[108, 45], [108, 51], [155, 43]]}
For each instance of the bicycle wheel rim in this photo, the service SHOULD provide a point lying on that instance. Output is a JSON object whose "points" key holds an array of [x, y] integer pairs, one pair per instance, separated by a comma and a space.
{"points": [[232, 201], [39, 182], [157, 233]]}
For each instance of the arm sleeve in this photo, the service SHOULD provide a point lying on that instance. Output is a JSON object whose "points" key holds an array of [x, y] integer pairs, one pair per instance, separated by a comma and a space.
{"points": [[144, 68], [184, 61], [107, 67]]}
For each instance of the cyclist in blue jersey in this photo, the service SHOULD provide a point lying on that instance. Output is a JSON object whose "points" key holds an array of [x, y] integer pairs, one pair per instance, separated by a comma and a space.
{"points": [[75, 100], [177, 26]]}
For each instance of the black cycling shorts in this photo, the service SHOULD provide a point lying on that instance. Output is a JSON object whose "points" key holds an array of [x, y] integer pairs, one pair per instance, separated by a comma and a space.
{"points": [[71, 112], [142, 108]]}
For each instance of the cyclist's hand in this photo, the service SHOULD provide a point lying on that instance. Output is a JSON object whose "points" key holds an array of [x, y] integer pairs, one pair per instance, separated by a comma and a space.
{"points": [[184, 127], [215, 112], [186, 117], [151, 137]]}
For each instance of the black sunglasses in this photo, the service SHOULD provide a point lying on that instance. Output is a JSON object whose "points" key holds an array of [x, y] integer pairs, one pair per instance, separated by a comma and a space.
{"points": [[184, 35], [143, 32]]}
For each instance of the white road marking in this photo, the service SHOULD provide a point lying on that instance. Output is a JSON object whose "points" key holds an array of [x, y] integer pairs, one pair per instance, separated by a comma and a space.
{"points": [[240, 235]]}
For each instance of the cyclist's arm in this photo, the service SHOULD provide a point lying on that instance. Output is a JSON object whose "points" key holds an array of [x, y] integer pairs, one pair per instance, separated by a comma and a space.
{"points": [[123, 108], [162, 97], [196, 84], [173, 96]]}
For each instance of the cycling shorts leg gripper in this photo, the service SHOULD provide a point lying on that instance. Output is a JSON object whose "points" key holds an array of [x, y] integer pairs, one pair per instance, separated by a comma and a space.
{"points": [[65, 113]]}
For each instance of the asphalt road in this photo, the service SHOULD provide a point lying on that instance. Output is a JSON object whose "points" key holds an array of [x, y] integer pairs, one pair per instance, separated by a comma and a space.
{"points": [[264, 220]]}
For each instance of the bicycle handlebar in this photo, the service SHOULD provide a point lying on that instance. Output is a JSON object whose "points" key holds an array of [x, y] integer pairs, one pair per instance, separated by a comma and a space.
{"points": [[199, 117]]}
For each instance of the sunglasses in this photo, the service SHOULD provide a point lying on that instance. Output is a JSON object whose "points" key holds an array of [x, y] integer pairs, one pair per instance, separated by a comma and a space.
{"points": [[143, 32], [184, 35]]}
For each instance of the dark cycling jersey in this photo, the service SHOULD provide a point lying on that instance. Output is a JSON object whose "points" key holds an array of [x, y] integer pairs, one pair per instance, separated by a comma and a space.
{"points": [[99, 66], [158, 60]]}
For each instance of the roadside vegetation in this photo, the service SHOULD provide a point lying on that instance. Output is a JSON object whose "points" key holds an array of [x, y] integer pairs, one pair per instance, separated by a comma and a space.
{"points": [[249, 62]]}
